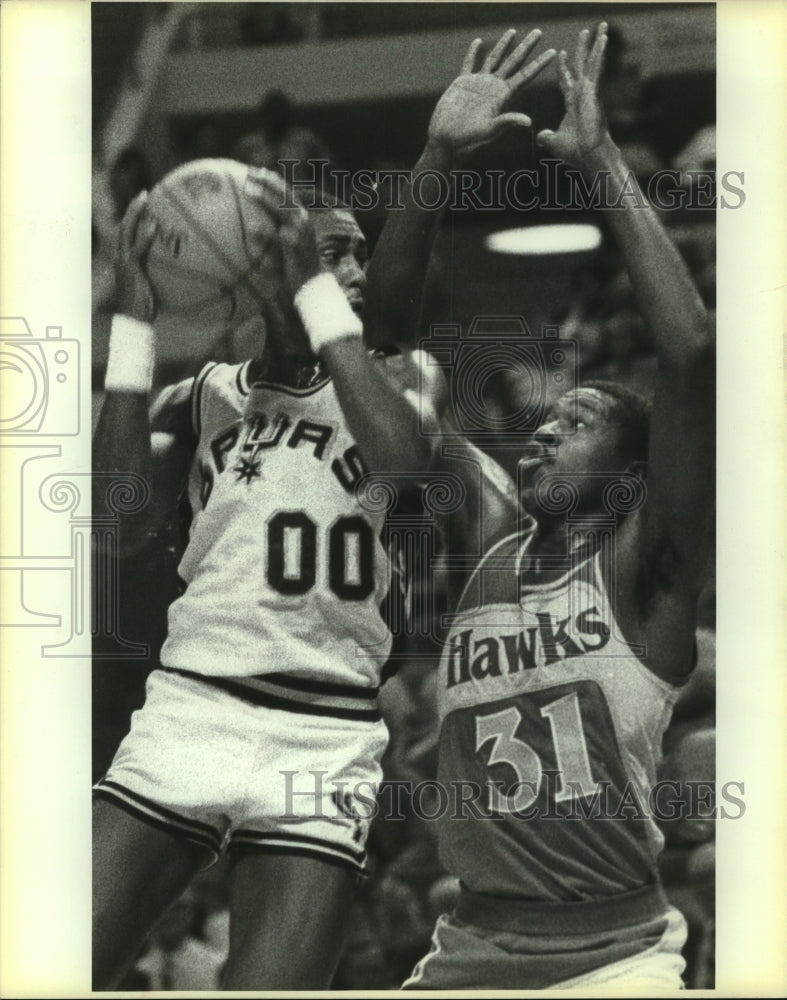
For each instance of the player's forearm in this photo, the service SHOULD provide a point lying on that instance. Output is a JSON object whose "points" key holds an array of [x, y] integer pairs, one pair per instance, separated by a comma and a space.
{"points": [[397, 270], [665, 292], [121, 443], [383, 419]]}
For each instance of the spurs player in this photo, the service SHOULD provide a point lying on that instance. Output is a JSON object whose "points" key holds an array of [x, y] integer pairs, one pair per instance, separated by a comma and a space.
{"points": [[262, 720]]}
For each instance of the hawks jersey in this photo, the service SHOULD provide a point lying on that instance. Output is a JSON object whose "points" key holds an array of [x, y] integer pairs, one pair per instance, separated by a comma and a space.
{"points": [[551, 730], [284, 571]]}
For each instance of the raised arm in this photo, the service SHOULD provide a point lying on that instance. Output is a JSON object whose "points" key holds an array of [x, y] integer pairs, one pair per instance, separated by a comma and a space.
{"points": [[468, 115], [379, 398], [674, 527], [125, 440]]}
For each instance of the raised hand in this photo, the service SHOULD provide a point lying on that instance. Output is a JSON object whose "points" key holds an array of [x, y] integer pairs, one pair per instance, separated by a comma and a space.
{"points": [[583, 127], [296, 240], [469, 114], [133, 293]]}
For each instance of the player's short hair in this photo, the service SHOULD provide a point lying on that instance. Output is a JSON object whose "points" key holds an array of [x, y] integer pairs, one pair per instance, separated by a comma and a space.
{"points": [[631, 414], [315, 199]]}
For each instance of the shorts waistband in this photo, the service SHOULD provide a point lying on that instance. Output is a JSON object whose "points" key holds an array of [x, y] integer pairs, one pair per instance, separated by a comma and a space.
{"points": [[523, 916], [296, 694]]}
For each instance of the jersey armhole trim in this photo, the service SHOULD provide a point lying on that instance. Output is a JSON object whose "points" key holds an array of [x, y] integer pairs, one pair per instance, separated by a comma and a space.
{"points": [[665, 685], [498, 544], [196, 397]]}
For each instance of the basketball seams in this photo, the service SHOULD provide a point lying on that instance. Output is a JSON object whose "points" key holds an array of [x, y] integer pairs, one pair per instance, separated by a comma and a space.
{"points": [[240, 277], [200, 230], [247, 275], [207, 268], [243, 230]]}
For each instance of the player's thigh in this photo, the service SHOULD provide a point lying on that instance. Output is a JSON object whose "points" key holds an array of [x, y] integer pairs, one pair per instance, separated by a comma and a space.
{"points": [[288, 918], [138, 871]]}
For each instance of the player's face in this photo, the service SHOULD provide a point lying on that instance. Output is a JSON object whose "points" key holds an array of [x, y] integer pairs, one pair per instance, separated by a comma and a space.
{"points": [[342, 250], [579, 434]]}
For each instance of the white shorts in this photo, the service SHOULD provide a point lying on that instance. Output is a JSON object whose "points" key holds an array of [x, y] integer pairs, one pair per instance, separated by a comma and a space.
{"points": [[219, 769]]}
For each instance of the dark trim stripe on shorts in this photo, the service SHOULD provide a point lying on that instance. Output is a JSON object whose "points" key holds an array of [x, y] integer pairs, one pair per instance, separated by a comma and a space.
{"points": [[278, 842], [159, 816], [296, 694]]}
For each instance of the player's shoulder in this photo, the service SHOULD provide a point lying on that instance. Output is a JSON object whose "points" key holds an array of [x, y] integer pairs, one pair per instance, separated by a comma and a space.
{"points": [[171, 405], [177, 407]]}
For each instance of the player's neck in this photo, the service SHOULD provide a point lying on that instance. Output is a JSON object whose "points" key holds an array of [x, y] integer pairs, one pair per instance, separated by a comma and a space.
{"points": [[550, 537], [285, 365]]}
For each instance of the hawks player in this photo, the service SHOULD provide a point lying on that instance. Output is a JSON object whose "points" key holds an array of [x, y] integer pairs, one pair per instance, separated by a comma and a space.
{"points": [[263, 717], [571, 641]]}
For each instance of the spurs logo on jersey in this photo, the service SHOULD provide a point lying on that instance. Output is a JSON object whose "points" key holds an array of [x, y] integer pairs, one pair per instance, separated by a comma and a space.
{"points": [[259, 432], [552, 727], [284, 570]]}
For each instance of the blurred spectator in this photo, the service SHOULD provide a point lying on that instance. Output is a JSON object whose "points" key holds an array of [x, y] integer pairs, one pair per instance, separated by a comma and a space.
{"points": [[626, 356], [280, 136], [443, 897], [621, 96], [178, 957], [688, 864], [271, 23], [128, 175], [105, 233], [202, 141], [699, 153], [365, 963]]}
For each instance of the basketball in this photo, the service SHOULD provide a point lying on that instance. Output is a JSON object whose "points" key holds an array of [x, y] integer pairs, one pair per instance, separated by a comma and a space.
{"points": [[213, 263]]}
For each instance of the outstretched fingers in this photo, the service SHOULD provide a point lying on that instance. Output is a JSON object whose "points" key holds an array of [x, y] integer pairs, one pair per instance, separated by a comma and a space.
{"points": [[531, 71], [581, 54], [564, 74], [470, 57], [596, 59], [493, 58], [517, 56]]}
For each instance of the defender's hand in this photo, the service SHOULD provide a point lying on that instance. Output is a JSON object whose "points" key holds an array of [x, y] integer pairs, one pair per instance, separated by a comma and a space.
{"points": [[133, 293], [583, 128], [468, 115]]}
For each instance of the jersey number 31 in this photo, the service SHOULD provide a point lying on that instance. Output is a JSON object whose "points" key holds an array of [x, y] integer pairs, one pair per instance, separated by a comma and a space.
{"points": [[568, 738]]}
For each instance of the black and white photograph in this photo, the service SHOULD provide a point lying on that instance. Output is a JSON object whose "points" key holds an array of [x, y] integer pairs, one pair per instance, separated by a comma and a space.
{"points": [[381, 506]]}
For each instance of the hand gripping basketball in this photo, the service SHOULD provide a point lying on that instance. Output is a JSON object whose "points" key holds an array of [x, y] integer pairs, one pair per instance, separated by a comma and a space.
{"points": [[131, 344], [294, 228], [133, 292]]}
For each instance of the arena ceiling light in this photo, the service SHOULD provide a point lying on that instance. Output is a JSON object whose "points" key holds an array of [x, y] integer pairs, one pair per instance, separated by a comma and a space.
{"points": [[526, 240]]}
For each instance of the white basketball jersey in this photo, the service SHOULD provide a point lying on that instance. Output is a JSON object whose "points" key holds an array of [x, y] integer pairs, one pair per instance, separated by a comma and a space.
{"points": [[284, 569]]}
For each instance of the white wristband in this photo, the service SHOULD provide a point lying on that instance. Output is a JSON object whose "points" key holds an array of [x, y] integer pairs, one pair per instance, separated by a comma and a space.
{"points": [[325, 312], [132, 355]]}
